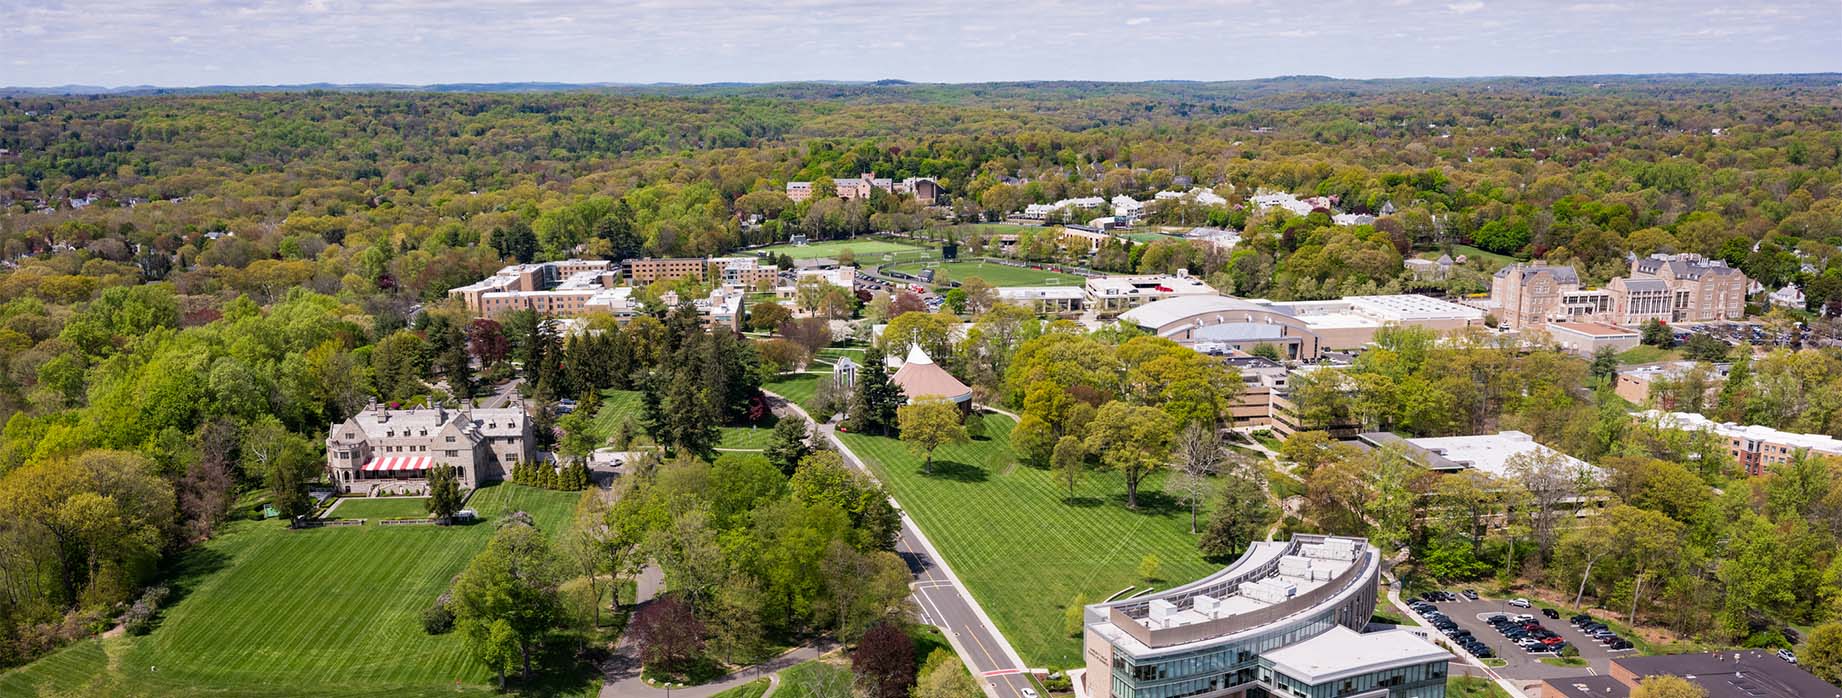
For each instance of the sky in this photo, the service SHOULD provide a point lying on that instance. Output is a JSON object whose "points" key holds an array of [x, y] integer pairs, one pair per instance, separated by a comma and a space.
{"points": [[244, 42]]}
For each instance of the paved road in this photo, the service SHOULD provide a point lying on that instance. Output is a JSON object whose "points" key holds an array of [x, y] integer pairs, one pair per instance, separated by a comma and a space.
{"points": [[503, 394], [943, 602]]}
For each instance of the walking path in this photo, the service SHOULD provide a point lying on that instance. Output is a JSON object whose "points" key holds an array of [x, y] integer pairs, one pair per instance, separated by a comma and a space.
{"points": [[621, 675]]}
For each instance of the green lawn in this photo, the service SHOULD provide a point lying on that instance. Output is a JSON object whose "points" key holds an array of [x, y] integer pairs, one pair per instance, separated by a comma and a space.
{"points": [[995, 274], [381, 508], [805, 679], [617, 405], [1023, 548], [1148, 237], [755, 438], [865, 249], [798, 387], [1647, 354], [989, 228], [752, 689], [1472, 687], [265, 611]]}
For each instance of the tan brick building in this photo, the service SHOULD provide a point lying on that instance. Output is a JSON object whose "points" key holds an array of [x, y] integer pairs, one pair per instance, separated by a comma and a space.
{"points": [[648, 270], [548, 288], [1678, 288], [1529, 295]]}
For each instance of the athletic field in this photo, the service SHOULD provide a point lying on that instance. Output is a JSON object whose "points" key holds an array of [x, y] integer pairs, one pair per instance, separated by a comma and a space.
{"points": [[265, 611], [1024, 549], [994, 273], [867, 250]]}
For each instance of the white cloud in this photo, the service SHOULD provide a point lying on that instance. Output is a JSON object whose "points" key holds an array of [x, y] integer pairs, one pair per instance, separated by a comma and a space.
{"points": [[1135, 21], [1596, 7], [1465, 8]]}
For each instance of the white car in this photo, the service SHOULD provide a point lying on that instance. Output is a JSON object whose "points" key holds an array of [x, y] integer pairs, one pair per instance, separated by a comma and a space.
{"points": [[1519, 603], [1522, 618], [1029, 693], [1787, 656]]}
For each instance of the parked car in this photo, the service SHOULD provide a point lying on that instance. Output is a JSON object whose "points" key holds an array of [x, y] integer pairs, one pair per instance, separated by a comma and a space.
{"points": [[1787, 656], [1519, 603], [1470, 594], [1523, 618], [1551, 613]]}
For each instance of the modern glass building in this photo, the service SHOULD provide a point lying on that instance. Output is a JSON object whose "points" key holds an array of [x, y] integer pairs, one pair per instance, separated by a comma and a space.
{"points": [[1283, 621]]}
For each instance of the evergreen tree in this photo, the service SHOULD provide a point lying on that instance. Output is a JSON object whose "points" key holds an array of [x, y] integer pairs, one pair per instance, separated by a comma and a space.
{"points": [[788, 445], [876, 395], [444, 492]]}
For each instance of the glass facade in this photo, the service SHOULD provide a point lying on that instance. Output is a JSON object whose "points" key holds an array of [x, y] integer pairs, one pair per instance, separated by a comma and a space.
{"points": [[1417, 681], [1235, 664], [1212, 669]]}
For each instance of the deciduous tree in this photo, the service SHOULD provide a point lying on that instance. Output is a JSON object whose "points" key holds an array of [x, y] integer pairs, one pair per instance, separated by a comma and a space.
{"points": [[1132, 439], [928, 424]]}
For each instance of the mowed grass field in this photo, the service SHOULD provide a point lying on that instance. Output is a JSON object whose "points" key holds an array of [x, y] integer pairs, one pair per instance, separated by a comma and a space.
{"points": [[865, 249], [617, 406], [798, 387], [264, 611], [381, 508], [995, 274], [1021, 545]]}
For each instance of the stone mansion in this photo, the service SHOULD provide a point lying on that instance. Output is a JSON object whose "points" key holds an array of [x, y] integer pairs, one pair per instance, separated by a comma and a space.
{"points": [[384, 447]]}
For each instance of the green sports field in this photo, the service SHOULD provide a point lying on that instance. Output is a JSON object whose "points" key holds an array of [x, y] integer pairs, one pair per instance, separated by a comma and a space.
{"points": [[867, 250], [265, 611], [993, 273], [1023, 548]]}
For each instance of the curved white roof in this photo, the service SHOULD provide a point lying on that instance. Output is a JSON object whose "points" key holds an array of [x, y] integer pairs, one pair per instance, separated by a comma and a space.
{"points": [[1161, 313]]}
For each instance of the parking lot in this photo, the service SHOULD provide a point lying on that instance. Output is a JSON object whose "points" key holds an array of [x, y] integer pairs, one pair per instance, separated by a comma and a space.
{"points": [[1519, 664]]}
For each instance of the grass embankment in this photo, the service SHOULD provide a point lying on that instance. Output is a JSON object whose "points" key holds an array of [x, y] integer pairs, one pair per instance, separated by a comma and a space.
{"points": [[1022, 545], [1472, 687]]}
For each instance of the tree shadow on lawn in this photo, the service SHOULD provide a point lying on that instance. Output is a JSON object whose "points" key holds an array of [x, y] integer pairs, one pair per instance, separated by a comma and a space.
{"points": [[956, 471], [1151, 503], [566, 665], [1083, 502]]}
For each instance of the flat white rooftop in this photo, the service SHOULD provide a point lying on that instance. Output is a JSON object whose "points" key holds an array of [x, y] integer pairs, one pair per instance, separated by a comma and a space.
{"points": [[1748, 432], [1490, 453], [1341, 653]]}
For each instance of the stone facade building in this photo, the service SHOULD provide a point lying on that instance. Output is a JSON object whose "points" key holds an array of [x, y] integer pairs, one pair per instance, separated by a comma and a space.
{"points": [[381, 447]]}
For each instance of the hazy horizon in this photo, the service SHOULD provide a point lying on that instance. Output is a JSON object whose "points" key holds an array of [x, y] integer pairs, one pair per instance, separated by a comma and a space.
{"points": [[177, 44]]}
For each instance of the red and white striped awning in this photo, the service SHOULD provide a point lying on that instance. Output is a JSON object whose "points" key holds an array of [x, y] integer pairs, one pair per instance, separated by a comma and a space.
{"points": [[398, 463]]}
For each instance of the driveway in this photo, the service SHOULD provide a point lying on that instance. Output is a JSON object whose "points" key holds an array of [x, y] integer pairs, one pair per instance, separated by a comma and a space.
{"points": [[1521, 666]]}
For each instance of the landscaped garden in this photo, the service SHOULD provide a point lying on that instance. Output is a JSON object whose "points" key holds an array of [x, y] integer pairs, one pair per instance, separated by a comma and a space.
{"points": [[1023, 547], [994, 273], [263, 610], [380, 508]]}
